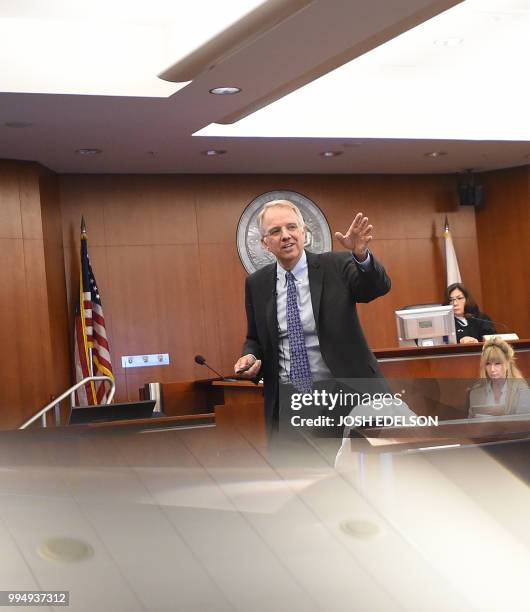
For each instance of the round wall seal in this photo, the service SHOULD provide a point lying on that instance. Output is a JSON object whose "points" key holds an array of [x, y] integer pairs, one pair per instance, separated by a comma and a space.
{"points": [[251, 252]]}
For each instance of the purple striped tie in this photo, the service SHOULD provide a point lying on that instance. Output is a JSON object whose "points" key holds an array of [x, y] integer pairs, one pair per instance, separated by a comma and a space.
{"points": [[300, 371]]}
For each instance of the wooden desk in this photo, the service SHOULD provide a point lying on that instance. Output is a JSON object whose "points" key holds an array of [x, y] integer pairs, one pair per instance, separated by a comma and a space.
{"points": [[436, 379], [445, 361], [192, 420], [240, 404]]}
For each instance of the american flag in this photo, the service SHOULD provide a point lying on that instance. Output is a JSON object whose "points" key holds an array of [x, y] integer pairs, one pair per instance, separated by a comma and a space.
{"points": [[91, 351]]}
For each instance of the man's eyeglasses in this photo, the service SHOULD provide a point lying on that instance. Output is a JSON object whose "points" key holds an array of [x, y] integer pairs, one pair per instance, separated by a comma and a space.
{"points": [[459, 298], [276, 232]]}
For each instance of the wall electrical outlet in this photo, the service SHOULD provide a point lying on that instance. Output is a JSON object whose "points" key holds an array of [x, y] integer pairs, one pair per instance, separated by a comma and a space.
{"points": [[142, 361]]}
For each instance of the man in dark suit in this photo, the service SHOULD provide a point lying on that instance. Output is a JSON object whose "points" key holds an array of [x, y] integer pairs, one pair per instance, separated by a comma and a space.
{"points": [[325, 288]]}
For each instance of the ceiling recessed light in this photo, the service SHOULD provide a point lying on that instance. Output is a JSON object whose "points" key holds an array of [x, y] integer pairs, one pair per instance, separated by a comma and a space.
{"points": [[88, 151], [225, 91], [65, 550], [363, 530], [331, 153], [18, 124], [449, 42], [213, 152], [436, 154]]}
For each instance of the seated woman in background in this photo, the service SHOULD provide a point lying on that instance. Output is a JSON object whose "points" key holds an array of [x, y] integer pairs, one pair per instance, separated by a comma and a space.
{"points": [[470, 323], [502, 390]]}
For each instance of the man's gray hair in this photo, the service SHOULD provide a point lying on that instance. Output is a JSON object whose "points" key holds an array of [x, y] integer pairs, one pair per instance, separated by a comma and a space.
{"points": [[275, 203]]}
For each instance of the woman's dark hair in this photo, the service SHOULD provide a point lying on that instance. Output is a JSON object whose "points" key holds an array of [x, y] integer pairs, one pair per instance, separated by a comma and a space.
{"points": [[471, 306]]}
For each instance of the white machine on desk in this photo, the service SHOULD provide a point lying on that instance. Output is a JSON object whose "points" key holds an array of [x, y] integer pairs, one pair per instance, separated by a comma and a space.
{"points": [[506, 337], [426, 325]]}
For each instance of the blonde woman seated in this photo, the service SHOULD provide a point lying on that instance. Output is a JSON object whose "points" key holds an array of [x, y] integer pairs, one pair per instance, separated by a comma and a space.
{"points": [[502, 390]]}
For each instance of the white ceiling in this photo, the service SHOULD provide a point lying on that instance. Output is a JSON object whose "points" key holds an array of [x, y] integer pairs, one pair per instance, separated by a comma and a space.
{"points": [[155, 134], [456, 76]]}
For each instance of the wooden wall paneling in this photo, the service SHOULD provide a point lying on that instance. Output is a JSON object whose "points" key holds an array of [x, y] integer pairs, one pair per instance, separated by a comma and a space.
{"points": [[149, 210], [220, 201], [156, 304], [178, 287], [130, 210], [10, 216], [405, 212], [409, 263], [82, 195], [223, 290], [71, 274], [12, 331], [128, 316], [503, 230], [42, 370], [30, 203], [38, 358], [54, 262], [401, 206], [37, 370]]}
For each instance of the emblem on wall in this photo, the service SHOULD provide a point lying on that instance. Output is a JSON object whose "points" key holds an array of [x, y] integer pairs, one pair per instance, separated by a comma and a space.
{"points": [[251, 252]]}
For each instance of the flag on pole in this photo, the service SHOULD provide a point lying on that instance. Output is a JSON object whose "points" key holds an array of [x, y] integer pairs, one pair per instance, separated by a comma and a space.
{"points": [[451, 264], [91, 347]]}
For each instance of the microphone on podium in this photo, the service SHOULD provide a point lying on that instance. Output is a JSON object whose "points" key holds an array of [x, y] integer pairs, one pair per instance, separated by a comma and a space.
{"points": [[202, 361]]}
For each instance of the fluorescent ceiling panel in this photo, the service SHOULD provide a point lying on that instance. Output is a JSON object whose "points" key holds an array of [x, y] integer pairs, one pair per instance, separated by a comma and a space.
{"points": [[104, 47], [473, 86]]}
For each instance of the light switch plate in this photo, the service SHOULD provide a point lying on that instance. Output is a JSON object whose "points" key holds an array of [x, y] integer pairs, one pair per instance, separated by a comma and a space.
{"points": [[142, 361]]}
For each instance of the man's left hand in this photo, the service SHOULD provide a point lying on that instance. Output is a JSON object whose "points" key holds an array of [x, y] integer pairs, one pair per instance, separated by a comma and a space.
{"points": [[357, 237]]}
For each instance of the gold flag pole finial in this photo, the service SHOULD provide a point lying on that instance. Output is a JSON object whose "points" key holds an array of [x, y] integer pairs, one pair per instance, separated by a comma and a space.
{"points": [[83, 226], [446, 224]]}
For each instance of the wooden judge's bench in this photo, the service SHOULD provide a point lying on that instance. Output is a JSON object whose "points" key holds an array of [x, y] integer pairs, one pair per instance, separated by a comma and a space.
{"points": [[437, 378], [445, 361]]}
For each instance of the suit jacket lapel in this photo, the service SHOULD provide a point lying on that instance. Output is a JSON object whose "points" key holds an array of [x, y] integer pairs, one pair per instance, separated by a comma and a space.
{"points": [[270, 307], [316, 282]]}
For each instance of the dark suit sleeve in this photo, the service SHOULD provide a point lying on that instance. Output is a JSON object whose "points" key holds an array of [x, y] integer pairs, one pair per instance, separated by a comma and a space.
{"points": [[251, 344], [365, 285]]}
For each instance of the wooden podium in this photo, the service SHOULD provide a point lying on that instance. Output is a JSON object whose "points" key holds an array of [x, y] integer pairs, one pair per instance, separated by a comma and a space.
{"points": [[237, 405], [242, 410]]}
